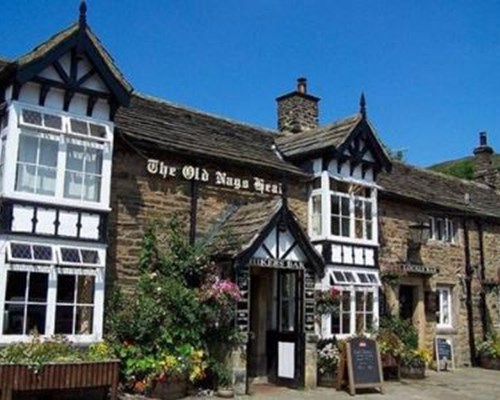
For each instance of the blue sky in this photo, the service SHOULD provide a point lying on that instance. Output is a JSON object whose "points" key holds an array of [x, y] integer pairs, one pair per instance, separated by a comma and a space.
{"points": [[430, 69]]}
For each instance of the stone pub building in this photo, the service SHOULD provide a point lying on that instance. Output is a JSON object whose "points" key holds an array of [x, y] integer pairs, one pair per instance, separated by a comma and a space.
{"points": [[87, 163]]}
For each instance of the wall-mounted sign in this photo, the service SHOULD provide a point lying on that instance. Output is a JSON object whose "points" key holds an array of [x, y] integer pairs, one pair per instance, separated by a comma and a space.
{"points": [[217, 178], [274, 263], [420, 269]]}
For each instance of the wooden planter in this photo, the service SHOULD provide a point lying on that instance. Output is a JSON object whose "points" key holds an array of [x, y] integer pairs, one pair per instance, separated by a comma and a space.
{"points": [[390, 367], [489, 362], [328, 379], [16, 378]]}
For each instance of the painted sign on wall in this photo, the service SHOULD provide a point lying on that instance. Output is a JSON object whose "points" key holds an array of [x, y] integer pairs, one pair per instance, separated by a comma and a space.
{"points": [[217, 178]]}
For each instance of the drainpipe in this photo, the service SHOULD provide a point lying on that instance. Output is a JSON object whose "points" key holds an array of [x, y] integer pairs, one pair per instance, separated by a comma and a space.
{"points": [[468, 294], [194, 211], [484, 318]]}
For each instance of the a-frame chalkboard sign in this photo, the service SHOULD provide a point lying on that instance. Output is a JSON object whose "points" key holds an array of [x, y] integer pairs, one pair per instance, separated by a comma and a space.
{"points": [[445, 358], [360, 363]]}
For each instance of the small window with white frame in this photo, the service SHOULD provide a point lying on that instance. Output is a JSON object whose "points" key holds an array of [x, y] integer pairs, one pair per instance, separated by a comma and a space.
{"points": [[444, 318], [74, 256], [442, 229], [20, 252], [38, 119]]}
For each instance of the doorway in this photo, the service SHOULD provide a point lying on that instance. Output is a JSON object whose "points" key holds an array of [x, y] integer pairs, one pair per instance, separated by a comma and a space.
{"points": [[275, 347], [407, 302]]}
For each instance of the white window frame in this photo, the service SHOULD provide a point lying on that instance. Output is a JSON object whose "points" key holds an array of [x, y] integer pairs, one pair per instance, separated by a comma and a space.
{"points": [[13, 131], [353, 288], [61, 261], [326, 210], [315, 193], [449, 234], [440, 290], [12, 259], [54, 270]]}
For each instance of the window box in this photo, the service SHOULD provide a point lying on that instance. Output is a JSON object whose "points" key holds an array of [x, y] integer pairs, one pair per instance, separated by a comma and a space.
{"points": [[15, 378]]}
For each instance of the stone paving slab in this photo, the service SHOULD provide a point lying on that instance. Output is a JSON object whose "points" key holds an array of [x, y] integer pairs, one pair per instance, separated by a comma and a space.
{"points": [[462, 384]]}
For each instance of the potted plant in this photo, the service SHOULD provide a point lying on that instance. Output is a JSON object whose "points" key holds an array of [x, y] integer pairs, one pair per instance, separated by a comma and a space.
{"points": [[489, 352], [328, 359], [414, 363], [223, 379]]}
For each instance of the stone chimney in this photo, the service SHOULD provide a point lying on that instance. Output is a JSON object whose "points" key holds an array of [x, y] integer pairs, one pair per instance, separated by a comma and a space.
{"points": [[484, 168], [298, 111]]}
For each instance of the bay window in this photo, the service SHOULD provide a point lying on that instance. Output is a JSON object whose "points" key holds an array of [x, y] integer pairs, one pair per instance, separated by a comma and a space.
{"points": [[50, 295], [341, 209], [351, 210], [357, 301], [58, 157]]}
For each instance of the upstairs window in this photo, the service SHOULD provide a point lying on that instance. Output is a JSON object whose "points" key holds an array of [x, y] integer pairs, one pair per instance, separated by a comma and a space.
{"points": [[352, 210], [442, 229], [41, 120], [87, 128], [316, 214], [83, 175], [37, 164]]}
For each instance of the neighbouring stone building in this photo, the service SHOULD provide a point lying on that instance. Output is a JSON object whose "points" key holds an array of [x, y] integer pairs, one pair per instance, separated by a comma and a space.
{"points": [[87, 164]]}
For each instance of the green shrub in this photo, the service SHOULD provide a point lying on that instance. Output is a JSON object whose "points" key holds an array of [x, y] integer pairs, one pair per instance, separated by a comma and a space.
{"points": [[490, 347]]}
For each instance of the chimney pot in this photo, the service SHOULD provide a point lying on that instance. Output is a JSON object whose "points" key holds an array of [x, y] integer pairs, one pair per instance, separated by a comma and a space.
{"points": [[298, 111], [483, 139], [302, 85]]}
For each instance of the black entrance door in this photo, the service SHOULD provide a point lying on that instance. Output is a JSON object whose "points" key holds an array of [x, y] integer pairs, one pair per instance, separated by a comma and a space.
{"points": [[406, 302], [288, 347]]}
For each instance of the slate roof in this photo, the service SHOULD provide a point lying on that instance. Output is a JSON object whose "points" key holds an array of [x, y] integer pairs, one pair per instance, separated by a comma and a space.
{"points": [[439, 189], [332, 135], [150, 121], [61, 37], [244, 225]]}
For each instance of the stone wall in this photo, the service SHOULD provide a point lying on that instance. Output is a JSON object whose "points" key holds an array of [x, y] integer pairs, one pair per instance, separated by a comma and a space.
{"points": [[139, 199], [395, 217], [297, 113]]}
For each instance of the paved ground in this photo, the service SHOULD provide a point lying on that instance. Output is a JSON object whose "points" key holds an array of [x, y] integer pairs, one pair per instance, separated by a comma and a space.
{"points": [[463, 384]]}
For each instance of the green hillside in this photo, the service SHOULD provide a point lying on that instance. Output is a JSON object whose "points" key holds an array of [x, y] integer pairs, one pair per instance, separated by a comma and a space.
{"points": [[461, 168]]}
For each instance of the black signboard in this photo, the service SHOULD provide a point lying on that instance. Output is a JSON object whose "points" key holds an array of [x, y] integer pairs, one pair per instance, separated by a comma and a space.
{"points": [[444, 353], [364, 368]]}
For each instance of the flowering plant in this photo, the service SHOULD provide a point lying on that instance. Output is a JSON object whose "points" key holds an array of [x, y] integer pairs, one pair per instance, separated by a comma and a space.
{"points": [[490, 347], [222, 291], [328, 355], [416, 358], [328, 301]]}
